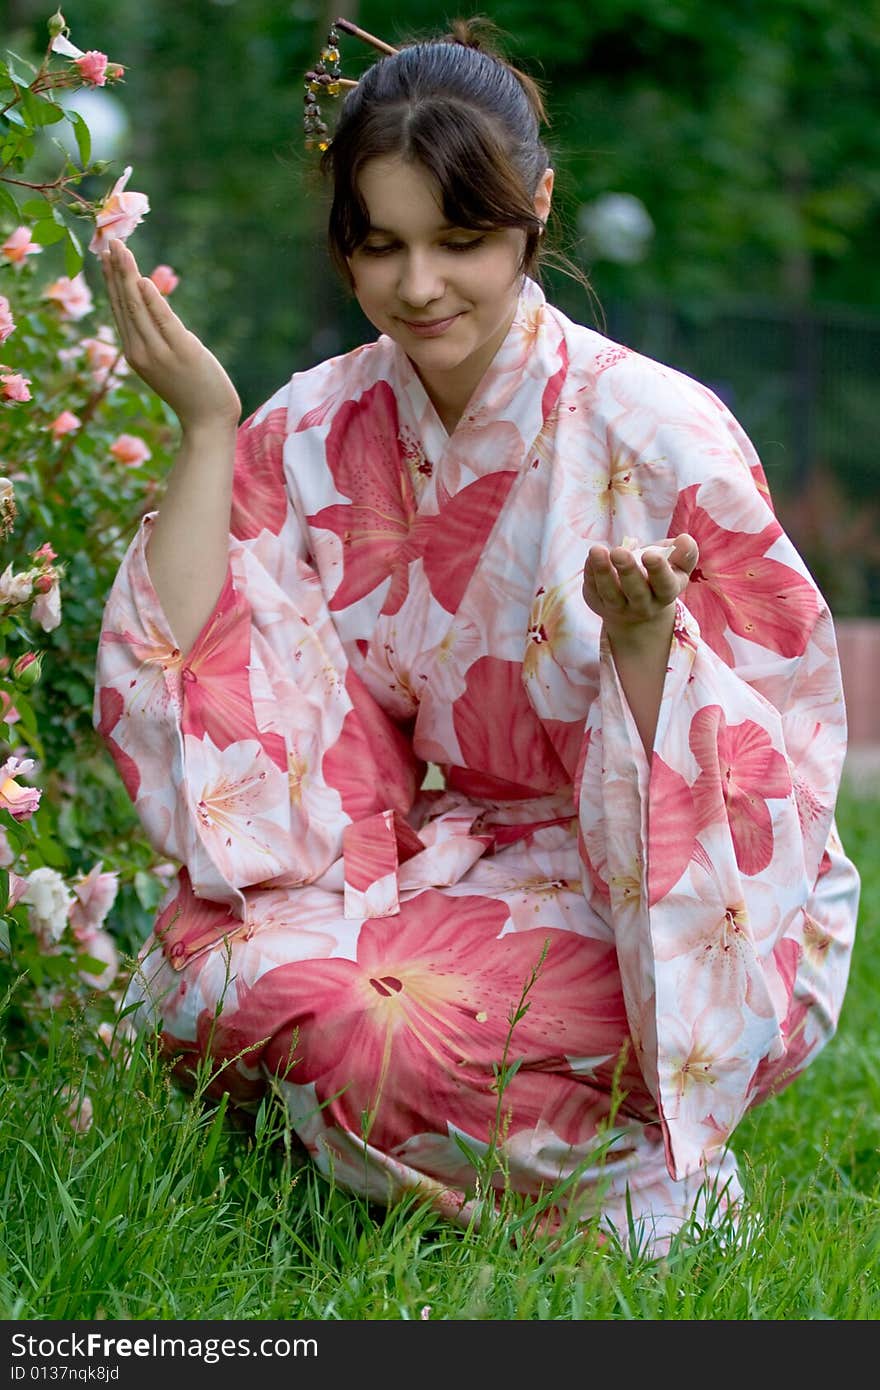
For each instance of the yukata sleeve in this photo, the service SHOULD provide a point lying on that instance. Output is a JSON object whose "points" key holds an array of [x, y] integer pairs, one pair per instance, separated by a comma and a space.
{"points": [[733, 902], [247, 757]]}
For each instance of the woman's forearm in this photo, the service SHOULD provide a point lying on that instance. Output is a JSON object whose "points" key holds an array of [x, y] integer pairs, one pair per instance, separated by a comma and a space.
{"points": [[641, 656], [188, 548]]}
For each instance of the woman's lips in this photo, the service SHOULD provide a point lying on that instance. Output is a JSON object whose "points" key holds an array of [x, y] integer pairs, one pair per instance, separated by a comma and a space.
{"points": [[430, 328]]}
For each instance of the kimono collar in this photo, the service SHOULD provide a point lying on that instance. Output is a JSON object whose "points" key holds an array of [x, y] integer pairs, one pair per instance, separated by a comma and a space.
{"points": [[520, 386]]}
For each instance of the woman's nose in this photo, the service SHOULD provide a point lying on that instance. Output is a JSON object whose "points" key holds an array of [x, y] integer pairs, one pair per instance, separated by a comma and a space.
{"points": [[420, 280]]}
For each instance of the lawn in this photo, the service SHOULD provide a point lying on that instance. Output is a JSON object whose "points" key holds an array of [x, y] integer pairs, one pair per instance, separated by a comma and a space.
{"points": [[167, 1209]]}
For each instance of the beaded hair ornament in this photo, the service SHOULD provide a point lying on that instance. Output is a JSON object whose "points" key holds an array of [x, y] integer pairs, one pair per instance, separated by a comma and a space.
{"points": [[325, 80]]}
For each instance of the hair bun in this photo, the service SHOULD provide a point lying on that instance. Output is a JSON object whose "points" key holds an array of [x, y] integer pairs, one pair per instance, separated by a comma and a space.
{"points": [[483, 34], [479, 32]]}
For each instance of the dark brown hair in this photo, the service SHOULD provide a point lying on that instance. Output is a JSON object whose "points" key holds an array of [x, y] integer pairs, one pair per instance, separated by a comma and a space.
{"points": [[471, 119]]}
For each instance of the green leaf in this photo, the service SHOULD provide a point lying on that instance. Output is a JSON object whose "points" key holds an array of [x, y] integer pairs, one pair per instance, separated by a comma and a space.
{"points": [[83, 136], [93, 964], [16, 118], [21, 79], [47, 233], [41, 111], [5, 943], [8, 204], [34, 209], [73, 254], [19, 833]]}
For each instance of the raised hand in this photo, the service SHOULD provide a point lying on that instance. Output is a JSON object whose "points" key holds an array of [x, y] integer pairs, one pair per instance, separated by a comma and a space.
{"points": [[629, 591], [161, 349]]}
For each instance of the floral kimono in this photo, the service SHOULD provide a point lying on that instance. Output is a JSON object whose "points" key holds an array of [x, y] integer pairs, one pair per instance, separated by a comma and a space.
{"points": [[430, 886]]}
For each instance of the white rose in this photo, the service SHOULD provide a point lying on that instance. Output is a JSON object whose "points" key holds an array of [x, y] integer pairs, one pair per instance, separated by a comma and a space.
{"points": [[49, 900], [15, 588]]}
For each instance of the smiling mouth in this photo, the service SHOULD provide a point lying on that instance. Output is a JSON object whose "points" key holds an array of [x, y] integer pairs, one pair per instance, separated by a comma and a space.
{"points": [[428, 328]]}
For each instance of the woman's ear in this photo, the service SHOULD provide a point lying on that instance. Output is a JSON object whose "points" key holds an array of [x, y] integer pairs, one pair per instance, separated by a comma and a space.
{"points": [[544, 195]]}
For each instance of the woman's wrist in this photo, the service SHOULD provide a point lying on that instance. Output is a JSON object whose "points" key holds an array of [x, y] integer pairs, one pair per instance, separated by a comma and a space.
{"points": [[209, 432], [645, 637]]}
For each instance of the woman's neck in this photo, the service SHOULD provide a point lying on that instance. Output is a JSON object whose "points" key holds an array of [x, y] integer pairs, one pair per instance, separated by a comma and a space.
{"points": [[450, 392]]}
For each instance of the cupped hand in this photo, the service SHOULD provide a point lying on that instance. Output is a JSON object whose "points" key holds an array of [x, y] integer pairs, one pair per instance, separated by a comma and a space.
{"points": [[627, 594], [161, 349]]}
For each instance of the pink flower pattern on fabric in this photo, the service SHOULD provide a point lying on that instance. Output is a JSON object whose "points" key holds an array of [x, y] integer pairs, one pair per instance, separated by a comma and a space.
{"points": [[427, 1006], [740, 771]]}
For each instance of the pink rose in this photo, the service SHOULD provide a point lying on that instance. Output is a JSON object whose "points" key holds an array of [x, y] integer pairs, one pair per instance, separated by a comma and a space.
{"points": [[46, 608], [8, 713], [103, 353], [130, 449], [78, 1109], [17, 886], [14, 386], [7, 322], [18, 245], [101, 947], [73, 297], [94, 894], [19, 801], [118, 215], [164, 278], [65, 423], [44, 552], [93, 67]]}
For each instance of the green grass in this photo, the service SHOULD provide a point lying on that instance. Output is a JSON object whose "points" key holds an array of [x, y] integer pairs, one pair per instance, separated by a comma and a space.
{"points": [[166, 1209]]}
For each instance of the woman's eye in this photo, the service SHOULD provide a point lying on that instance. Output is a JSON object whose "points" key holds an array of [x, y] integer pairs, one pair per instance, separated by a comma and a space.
{"points": [[377, 249], [470, 245]]}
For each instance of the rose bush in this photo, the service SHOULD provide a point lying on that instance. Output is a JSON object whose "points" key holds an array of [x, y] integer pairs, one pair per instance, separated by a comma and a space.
{"points": [[83, 444]]}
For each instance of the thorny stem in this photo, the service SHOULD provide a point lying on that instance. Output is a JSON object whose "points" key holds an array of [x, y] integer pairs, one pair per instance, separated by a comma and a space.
{"points": [[60, 182]]}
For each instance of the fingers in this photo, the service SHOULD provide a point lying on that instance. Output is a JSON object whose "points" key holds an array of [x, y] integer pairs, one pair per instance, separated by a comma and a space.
{"points": [[114, 293], [661, 577], [636, 584], [142, 316], [121, 277], [601, 575], [642, 583], [686, 554]]}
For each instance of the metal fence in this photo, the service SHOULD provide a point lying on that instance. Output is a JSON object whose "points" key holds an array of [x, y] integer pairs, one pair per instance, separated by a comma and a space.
{"points": [[805, 384]]}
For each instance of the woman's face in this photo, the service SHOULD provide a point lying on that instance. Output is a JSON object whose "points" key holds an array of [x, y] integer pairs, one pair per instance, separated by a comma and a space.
{"points": [[446, 294]]}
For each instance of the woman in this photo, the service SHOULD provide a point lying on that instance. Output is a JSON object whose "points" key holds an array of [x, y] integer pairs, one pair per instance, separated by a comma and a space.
{"points": [[494, 545]]}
